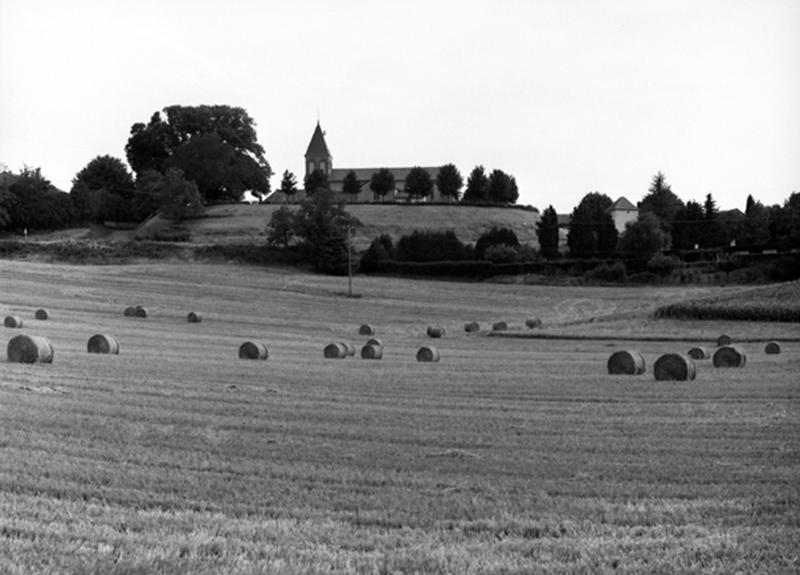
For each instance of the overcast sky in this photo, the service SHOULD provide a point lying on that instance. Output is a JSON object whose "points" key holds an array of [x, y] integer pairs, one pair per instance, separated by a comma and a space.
{"points": [[569, 96]]}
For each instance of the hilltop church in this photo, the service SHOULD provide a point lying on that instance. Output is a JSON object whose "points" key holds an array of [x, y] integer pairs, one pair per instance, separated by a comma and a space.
{"points": [[318, 157]]}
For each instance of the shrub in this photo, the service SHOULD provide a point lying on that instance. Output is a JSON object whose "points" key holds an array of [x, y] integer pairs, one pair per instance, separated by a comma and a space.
{"points": [[662, 265], [615, 272], [500, 254], [785, 268], [431, 246], [380, 250], [493, 238]]}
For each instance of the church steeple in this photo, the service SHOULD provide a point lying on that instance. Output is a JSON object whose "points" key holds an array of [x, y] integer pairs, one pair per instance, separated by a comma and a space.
{"points": [[317, 155]]}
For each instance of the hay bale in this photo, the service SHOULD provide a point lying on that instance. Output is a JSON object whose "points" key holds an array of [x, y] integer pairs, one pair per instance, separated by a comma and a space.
{"points": [[533, 322], [626, 362], [674, 367], [29, 349], [140, 311], [699, 353], [435, 331], [374, 341], [336, 350], [130, 311], [13, 321], [471, 327], [428, 353], [723, 340], [351, 349], [193, 317], [253, 350], [103, 343], [371, 351], [366, 329], [729, 356], [772, 348], [499, 326], [41, 313]]}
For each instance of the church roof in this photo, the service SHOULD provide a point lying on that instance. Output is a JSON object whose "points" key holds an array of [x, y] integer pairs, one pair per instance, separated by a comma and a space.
{"points": [[317, 146], [622, 204], [365, 174]]}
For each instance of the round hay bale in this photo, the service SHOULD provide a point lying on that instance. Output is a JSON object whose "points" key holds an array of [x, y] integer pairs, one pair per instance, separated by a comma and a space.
{"points": [[626, 362], [435, 331], [723, 340], [140, 311], [193, 317], [374, 341], [366, 329], [772, 348], [533, 322], [729, 356], [41, 313], [336, 350], [130, 311], [471, 327], [29, 349], [699, 353], [103, 343], [499, 326], [674, 367], [371, 351], [13, 321], [428, 353], [253, 350]]}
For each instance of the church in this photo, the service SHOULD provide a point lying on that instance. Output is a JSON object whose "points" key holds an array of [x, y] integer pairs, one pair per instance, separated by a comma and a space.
{"points": [[318, 157]]}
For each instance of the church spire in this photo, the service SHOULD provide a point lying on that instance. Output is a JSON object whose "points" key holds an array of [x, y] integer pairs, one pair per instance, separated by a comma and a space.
{"points": [[317, 155]]}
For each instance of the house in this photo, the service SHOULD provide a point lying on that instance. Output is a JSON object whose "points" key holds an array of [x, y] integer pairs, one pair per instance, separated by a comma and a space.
{"points": [[623, 211], [318, 157]]}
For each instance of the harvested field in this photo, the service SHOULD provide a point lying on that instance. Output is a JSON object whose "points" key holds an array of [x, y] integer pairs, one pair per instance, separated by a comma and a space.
{"points": [[510, 456]]}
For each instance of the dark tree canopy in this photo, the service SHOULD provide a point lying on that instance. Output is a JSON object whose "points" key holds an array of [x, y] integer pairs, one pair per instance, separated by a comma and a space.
{"points": [[176, 197], [688, 229], [280, 229], [419, 183], [477, 186], [322, 225], [547, 232], [351, 185], [661, 201], [497, 236], [30, 201], [756, 225], [592, 232], [288, 184], [215, 146], [642, 238], [381, 182], [102, 177], [449, 182], [315, 181], [502, 188]]}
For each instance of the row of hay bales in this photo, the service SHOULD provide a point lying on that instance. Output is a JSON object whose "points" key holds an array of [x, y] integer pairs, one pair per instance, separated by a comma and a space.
{"points": [[678, 366], [15, 321], [437, 331], [38, 349]]}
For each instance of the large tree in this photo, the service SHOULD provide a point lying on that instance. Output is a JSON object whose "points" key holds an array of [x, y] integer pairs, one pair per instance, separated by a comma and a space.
{"points": [[502, 188], [592, 232], [449, 182], [104, 181], [215, 146], [176, 197], [381, 183], [547, 232], [351, 186], [322, 225], [30, 201], [419, 183], [661, 201], [477, 186], [642, 238]]}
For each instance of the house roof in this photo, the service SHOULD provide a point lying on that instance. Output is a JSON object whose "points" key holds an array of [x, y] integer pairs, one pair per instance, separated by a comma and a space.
{"points": [[622, 204], [365, 174], [317, 146]]}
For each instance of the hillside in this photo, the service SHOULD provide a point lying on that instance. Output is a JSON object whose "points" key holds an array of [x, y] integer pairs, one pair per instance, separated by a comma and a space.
{"points": [[238, 223]]}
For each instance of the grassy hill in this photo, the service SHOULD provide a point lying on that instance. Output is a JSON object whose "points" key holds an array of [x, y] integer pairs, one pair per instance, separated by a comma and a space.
{"points": [[240, 223]]}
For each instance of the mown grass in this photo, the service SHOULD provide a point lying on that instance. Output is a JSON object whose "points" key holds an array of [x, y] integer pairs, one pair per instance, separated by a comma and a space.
{"points": [[777, 302], [508, 456]]}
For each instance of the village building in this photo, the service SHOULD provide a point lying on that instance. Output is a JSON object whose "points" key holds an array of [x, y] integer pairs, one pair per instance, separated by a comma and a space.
{"points": [[318, 157], [622, 212]]}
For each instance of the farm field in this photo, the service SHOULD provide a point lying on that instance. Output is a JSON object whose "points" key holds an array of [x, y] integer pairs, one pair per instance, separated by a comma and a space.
{"points": [[510, 455]]}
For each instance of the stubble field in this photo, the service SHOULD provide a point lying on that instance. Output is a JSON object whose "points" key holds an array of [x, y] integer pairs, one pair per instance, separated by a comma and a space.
{"points": [[508, 456]]}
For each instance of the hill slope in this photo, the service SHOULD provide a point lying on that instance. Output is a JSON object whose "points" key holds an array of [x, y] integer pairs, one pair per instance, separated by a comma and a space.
{"points": [[240, 223]]}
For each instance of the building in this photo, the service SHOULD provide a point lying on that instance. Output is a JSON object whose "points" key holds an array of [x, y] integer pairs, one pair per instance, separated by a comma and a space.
{"points": [[623, 211], [318, 157]]}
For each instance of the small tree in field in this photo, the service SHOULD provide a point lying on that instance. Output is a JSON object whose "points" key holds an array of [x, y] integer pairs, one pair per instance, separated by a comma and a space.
{"points": [[477, 186], [419, 183], [350, 185], [322, 225], [288, 184], [449, 182], [381, 183], [280, 229], [547, 232]]}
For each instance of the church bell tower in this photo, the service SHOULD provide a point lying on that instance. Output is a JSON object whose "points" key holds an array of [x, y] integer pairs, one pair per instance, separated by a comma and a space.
{"points": [[317, 155]]}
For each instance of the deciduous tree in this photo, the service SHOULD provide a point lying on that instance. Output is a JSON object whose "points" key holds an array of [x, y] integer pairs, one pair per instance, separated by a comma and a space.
{"points": [[661, 201], [592, 232], [477, 186], [449, 182], [419, 183], [547, 232], [288, 184], [102, 177], [315, 181], [350, 185], [381, 183], [281, 227], [642, 238], [322, 225]]}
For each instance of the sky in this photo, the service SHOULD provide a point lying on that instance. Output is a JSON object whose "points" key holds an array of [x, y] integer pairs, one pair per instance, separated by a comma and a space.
{"points": [[568, 96]]}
